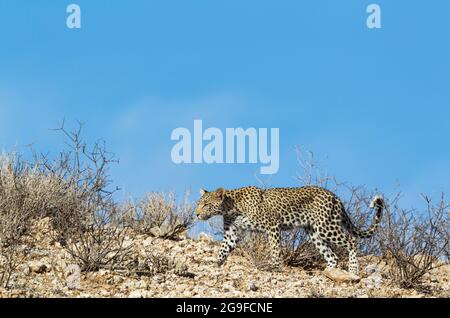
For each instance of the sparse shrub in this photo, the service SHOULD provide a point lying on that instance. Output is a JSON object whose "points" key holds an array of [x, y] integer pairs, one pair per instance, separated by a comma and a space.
{"points": [[254, 247], [83, 210], [15, 210], [415, 242], [12, 250], [160, 215], [298, 251], [97, 246], [72, 190]]}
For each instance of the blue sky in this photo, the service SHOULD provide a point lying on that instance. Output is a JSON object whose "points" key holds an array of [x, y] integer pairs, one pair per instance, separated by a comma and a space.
{"points": [[374, 103]]}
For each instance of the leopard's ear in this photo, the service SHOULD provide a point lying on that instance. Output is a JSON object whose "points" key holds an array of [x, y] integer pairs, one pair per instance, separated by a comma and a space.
{"points": [[220, 193], [203, 191]]}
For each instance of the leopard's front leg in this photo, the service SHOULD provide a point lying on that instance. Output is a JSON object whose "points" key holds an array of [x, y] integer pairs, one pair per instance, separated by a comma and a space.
{"points": [[230, 239]]}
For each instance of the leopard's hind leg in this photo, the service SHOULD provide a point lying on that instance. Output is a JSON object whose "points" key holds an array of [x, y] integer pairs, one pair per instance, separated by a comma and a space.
{"points": [[274, 236], [323, 247], [338, 237]]}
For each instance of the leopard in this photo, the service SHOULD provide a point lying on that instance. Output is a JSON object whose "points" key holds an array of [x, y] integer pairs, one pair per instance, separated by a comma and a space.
{"points": [[317, 210]]}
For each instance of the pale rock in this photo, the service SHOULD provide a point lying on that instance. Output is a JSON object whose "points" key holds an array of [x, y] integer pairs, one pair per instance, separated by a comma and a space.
{"points": [[25, 269], [38, 253], [103, 272], [340, 276], [177, 249], [39, 267], [137, 294], [160, 231], [147, 242], [314, 280], [61, 264], [127, 243], [373, 281], [252, 286], [445, 272], [227, 288], [372, 268], [158, 279], [115, 280], [143, 284], [73, 277]]}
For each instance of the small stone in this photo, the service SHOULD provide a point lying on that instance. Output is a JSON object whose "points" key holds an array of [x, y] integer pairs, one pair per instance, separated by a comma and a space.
{"points": [[26, 270], [117, 280], [73, 277], [158, 279], [252, 287], [103, 272], [39, 267], [137, 294], [445, 269], [227, 288], [373, 281], [372, 268], [143, 284], [38, 253]]}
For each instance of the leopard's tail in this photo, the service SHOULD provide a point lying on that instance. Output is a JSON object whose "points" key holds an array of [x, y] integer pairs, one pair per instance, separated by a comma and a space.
{"points": [[378, 204]]}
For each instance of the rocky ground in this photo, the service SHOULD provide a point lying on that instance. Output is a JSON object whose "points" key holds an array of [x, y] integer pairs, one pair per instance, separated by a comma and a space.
{"points": [[191, 271]]}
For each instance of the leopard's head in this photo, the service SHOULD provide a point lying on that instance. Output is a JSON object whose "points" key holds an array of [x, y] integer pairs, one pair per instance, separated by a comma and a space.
{"points": [[213, 203]]}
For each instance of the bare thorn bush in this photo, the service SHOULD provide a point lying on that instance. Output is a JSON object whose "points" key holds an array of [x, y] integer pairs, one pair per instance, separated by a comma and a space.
{"points": [[415, 242], [160, 215], [254, 247], [84, 207], [297, 251]]}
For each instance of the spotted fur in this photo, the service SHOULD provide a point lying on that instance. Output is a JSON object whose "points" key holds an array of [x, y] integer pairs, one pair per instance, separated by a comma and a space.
{"points": [[317, 210]]}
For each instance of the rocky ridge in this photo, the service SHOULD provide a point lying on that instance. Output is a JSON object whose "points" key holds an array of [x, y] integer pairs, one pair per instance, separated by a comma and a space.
{"points": [[189, 270]]}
